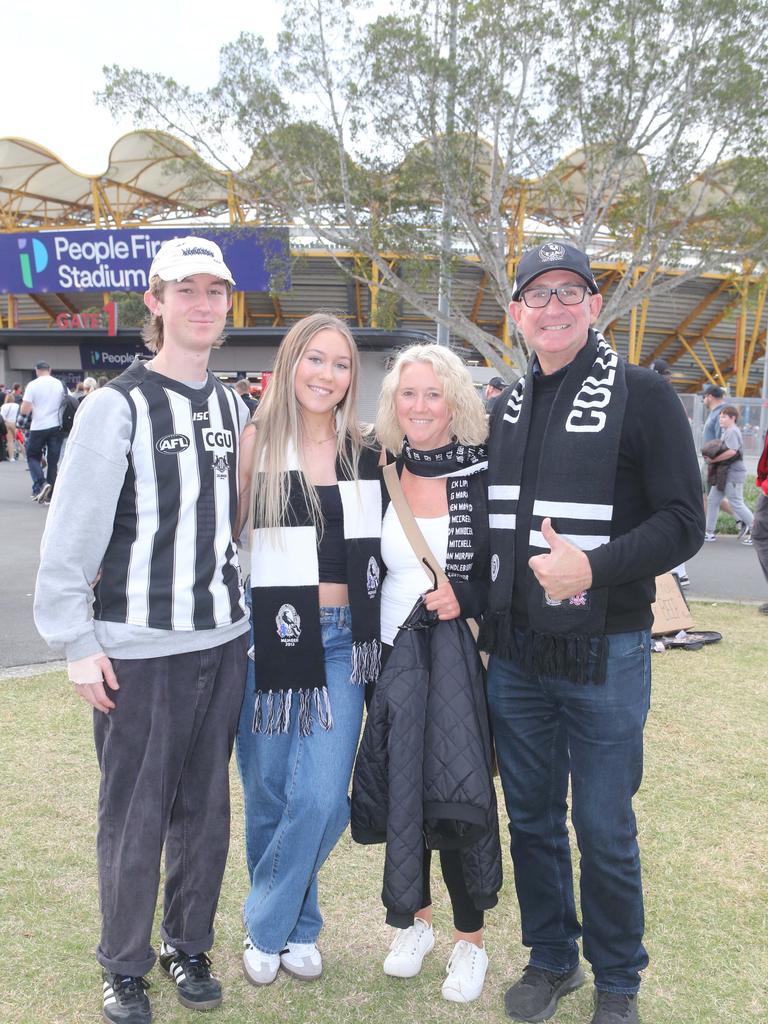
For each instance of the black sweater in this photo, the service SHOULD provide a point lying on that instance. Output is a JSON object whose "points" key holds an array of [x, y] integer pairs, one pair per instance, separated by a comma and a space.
{"points": [[658, 518]]}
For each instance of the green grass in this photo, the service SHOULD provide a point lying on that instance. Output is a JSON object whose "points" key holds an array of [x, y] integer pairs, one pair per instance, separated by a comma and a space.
{"points": [[701, 812]]}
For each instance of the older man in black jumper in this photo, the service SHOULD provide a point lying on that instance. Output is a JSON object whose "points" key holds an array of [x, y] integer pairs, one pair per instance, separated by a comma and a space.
{"points": [[593, 490]]}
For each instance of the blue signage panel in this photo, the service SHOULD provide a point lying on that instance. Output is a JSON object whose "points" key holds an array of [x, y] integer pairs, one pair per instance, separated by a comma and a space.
{"points": [[105, 356], [119, 260]]}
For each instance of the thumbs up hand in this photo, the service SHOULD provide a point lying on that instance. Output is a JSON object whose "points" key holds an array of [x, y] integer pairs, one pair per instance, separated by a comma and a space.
{"points": [[565, 570]]}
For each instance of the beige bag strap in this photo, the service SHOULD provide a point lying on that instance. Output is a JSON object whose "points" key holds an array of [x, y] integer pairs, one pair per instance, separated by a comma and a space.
{"points": [[408, 522]]}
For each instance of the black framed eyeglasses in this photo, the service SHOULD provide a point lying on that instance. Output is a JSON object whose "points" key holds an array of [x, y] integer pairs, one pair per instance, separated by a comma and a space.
{"points": [[568, 294]]}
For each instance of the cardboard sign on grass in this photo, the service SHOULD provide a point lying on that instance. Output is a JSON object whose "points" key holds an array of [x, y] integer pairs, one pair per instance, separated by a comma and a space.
{"points": [[670, 611]]}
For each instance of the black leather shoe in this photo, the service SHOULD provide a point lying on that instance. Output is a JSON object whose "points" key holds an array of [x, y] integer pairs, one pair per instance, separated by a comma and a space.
{"points": [[196, 987], [535, 996], [125, 999]]}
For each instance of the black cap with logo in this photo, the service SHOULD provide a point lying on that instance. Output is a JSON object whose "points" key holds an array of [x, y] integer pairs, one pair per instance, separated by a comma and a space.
{"points": [[553, 256]]}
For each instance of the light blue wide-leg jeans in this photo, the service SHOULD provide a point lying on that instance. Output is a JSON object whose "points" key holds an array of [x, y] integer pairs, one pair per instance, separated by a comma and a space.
{"points": [[296, 791]]}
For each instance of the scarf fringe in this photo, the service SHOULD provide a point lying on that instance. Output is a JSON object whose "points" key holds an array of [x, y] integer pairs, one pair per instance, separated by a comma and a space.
{"points": [[567, 656], [366, 661], [272, 711]]}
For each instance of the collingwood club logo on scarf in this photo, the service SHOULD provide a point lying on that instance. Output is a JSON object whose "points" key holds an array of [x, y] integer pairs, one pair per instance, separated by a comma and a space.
{"points": [[288, 622], [372, 577], [494, 568]]}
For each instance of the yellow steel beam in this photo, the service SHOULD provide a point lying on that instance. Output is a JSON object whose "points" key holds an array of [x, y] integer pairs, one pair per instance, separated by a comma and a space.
{"points": [[478, 297], [696, 359], [750, 354], [238, 309], [720, 378], [12, 310], [43, 305], [279, 320], [65, 301], [693, 315], [729, 371], [673, 357], [96, 202], [633, 354], [739, 347], [373, 287], [236, 212]]}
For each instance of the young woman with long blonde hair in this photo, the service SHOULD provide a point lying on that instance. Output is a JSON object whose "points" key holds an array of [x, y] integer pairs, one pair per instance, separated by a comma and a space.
{"points": [[310, 482]]}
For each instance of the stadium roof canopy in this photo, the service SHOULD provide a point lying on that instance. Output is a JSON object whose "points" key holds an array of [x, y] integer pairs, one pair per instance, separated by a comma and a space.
{"points": [[709, 329]]}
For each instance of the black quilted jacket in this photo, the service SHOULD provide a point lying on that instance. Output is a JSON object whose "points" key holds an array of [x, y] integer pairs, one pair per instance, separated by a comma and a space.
{"points": [[423, 770]]}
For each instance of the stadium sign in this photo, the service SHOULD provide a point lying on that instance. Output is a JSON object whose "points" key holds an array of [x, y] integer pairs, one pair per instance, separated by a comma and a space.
{"points": [[83, 261], [115, 358]]}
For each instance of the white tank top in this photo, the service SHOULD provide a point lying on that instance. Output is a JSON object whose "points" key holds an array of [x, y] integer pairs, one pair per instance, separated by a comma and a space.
{"points": [[406, 579]]}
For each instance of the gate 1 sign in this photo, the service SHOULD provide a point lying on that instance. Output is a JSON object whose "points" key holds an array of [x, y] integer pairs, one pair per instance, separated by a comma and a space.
{"points": [[83, 261], [90, 321]]}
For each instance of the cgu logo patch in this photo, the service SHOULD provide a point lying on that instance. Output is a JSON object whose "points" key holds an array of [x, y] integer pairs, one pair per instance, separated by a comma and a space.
{"points": [[172, 444], [215, 440]]}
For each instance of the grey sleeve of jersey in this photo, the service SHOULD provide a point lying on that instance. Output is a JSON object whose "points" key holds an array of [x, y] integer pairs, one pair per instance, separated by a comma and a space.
{"points": [[80, 522]]}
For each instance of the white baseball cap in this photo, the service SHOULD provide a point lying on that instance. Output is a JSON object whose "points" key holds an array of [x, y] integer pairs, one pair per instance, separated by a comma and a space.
{"points": [[185, 257]]}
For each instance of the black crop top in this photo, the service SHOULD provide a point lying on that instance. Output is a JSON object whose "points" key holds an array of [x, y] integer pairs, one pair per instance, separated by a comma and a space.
{"points": [[331, 551]]}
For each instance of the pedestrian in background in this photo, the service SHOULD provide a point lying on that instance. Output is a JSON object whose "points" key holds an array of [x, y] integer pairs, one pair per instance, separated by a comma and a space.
{"points": [[730, 436]]}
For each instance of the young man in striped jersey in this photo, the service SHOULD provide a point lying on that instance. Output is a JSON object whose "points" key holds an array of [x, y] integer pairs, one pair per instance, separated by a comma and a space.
{"points": [[139, 585], [593, 491]]}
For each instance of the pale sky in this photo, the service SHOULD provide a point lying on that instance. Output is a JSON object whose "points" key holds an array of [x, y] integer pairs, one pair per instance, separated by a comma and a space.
{"points": [[53, 55]]}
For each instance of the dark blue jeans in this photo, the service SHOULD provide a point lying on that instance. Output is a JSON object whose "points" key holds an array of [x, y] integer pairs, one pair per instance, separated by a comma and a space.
{"points": [[545, 730], [51, 440]]}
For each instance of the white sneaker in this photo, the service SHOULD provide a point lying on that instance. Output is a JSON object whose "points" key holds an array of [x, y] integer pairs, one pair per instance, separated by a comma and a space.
{"points": [[466, 973], [259, 968], [408, 949], [302, 960]]}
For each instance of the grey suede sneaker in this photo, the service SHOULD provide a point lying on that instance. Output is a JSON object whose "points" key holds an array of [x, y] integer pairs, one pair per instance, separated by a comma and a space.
{"points": [[535, 996], [259, 968]]}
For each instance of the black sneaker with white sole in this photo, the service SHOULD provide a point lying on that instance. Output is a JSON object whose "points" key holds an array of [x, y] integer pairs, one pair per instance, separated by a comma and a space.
{"points": [[196, 987], [125, 999]]}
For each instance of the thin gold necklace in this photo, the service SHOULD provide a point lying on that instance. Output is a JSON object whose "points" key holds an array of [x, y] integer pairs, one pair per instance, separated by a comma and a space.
{"points": [[325, 440]]}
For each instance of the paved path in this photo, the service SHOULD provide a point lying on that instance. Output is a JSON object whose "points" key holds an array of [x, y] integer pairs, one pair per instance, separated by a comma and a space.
{"points": [[725, 570]]}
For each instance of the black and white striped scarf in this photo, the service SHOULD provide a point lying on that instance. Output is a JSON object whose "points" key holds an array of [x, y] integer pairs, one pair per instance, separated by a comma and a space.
{"points": [[286, 621], [574, 488]]}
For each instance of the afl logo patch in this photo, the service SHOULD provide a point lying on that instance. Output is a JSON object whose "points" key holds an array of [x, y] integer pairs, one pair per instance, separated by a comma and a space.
{"points": [[172, 444], [494, 568], [550, 252]]}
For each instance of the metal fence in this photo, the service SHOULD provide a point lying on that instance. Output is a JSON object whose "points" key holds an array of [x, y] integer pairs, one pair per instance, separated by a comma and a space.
{"points": [[753, 420]]}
